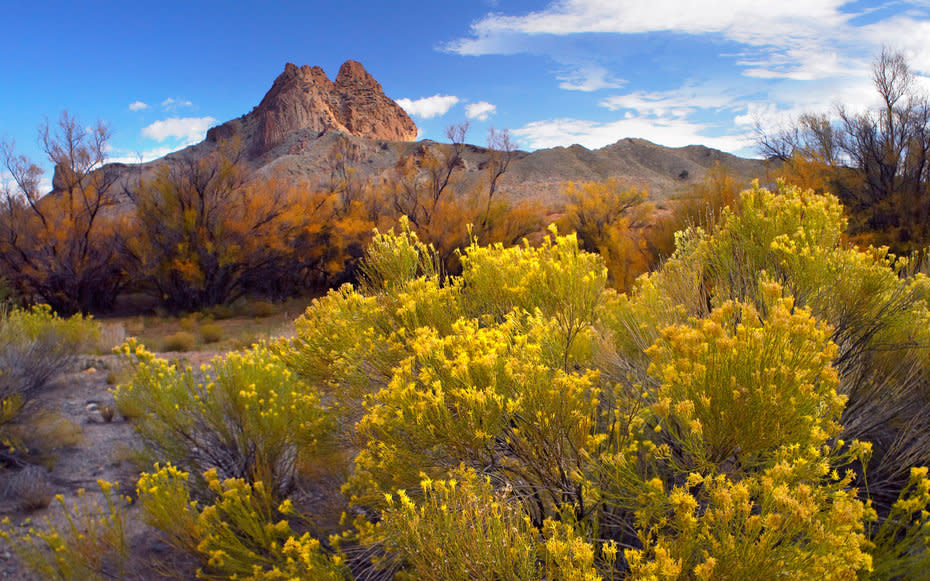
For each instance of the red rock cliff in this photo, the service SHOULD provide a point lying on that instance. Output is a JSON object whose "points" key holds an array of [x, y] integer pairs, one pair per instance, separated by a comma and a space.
{"points": [[305, 98]]}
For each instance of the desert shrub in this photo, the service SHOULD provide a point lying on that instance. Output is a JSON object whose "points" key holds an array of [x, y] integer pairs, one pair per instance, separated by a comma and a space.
{"points": [[696, 422], [493, 398], [43, 432], [463, 529], [902, 539], [211, 332], [220, 312], [762, 527], [30, 487], [392, 260], [878, 317], [36, 345], [245, 415], [238, 532], [350, 342], [92, 542], [736, 364], [261, 308], [189, 323], [180, 341]]}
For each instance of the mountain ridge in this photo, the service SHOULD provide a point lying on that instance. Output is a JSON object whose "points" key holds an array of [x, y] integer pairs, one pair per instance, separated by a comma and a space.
{"points": [[305, 116]]}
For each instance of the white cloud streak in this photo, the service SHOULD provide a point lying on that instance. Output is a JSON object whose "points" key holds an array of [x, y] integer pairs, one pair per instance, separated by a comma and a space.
{"points": [[480, 110], [188, 129], [591, 134], [138, 106], [170, 104], [782, 39], [428, 107]]}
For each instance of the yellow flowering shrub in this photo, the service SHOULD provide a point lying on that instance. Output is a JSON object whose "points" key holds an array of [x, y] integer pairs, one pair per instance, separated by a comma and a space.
{"points": [[36, 346], [771, 525], [91, 544], [718, 372], [465, 530], [392, 260], [240, 533], [492, 398], [245, 415], [901, 541], [559, 278]]}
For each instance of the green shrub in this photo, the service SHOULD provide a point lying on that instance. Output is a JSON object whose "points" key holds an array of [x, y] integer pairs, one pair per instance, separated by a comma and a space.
{"points": [[464, 530], [180, 341], [36, 345]]}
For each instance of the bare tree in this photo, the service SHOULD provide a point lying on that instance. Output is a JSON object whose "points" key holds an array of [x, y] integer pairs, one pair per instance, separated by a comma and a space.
{"points": [[59, 246], [423, 177], [888, 148]]}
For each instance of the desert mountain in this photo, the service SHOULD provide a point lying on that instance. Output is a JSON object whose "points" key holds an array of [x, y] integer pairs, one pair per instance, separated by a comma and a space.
{"points": [[305, 99], [305, 118]]}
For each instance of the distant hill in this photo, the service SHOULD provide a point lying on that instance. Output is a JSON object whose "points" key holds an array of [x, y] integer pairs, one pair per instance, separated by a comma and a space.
{"points": [[305, 119]]}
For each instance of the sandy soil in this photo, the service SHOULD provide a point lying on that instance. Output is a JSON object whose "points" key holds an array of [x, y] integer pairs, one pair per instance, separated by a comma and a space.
{"points": [[101, 454]]}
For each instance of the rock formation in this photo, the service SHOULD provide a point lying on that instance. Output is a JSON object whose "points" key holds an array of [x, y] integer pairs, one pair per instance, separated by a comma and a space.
{"points": [[305, 98]]}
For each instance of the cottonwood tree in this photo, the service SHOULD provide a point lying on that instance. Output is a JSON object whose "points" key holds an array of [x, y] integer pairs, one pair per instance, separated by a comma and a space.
{"points": [[60, 247]]}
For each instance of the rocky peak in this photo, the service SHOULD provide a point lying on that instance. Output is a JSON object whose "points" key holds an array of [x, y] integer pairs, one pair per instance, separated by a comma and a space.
{"points": [[305, 98]]}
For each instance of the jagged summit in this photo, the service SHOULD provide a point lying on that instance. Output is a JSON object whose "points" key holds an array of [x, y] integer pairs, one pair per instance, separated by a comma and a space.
{"points": [[305, 98]]}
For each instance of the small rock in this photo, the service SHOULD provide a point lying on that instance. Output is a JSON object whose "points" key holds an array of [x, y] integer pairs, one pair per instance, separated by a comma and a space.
{"points": [[90, 370]]}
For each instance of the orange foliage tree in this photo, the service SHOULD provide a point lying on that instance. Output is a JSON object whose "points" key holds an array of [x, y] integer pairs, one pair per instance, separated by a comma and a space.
{"points": [[61, 247], [207, 234], [610, 219]]}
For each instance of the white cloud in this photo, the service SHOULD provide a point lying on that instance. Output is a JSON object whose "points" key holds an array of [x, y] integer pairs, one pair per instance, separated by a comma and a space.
{"points": [[589, 78], [188, 129], [677, 103], [480, 110], [170, 104], [782, 39], [144, 156], [138, 106], [427, 107], [592, 134], [756, 22]]}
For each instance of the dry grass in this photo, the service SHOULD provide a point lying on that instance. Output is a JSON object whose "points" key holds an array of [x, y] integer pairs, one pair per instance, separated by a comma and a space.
{"points": [[234, 328], [30, 487]]}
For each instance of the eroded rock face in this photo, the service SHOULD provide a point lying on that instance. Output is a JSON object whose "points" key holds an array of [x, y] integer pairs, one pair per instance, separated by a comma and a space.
{"points": [[305, 98]]}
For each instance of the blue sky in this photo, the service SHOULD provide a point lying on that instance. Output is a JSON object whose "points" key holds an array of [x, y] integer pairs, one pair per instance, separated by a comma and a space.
{"points": [[554, 73]]}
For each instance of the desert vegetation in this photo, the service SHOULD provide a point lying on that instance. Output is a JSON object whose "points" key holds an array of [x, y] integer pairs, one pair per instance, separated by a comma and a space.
{"points": [[755, 406], [727, 383]]}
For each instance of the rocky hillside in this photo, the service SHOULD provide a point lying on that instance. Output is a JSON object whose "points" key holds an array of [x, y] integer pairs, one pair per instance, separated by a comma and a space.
{"points": [[305, 120]]}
